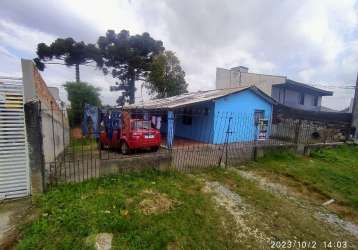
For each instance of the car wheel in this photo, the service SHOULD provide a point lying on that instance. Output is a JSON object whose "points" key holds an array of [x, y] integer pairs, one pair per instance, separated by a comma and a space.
{"points": [[124, 148]]}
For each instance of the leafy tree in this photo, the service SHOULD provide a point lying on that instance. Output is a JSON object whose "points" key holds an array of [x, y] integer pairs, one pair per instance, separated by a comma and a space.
{"points": [[166, 78], [80, 93], [69, 51], [128, 58]]}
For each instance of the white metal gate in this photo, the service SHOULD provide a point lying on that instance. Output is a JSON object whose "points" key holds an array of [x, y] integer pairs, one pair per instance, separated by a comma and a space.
{"points": [[14, 164]]}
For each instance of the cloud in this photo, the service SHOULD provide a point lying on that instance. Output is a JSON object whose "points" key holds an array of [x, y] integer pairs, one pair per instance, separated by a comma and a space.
{"points": [[21, 39], [311, 41], [52, 17]]}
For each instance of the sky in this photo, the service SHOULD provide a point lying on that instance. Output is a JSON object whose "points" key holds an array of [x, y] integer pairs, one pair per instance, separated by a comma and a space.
{"points": [[312, 41]]}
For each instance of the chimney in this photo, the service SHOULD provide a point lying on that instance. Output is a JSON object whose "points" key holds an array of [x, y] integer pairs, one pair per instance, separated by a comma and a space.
{"points": [[240, 69], [355, 111]]}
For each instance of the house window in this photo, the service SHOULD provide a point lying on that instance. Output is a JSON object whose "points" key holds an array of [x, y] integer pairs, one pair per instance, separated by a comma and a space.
{"points": [[259, 114], [315, 101], [187, 117], [301, 98]]}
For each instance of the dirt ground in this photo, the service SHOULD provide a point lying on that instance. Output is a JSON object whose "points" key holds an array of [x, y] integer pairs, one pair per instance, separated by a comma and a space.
{"points": [[13, 213]]}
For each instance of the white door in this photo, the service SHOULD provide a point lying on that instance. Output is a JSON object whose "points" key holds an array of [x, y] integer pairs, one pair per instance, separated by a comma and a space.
{"points": [[14, 164]]}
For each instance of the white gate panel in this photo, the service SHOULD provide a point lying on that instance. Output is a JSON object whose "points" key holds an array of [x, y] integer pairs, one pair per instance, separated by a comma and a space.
{"points": [[14, 163]]}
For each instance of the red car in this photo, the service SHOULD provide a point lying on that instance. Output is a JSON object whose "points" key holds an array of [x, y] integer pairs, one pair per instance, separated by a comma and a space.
{"points": [[135, 134]]}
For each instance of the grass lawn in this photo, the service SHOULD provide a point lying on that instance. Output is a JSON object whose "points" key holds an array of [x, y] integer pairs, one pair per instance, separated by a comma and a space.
{"points": [[169, 210], [183, 217], [332, 172]]}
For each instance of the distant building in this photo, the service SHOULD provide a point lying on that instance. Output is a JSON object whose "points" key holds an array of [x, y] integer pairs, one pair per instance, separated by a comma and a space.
{"points": [[283, 90]]}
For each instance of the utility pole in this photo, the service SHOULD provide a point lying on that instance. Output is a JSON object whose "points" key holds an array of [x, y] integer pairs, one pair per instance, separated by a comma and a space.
{"points": [[355, 111]]}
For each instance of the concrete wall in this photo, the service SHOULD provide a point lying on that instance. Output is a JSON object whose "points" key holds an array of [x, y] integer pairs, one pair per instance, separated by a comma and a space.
{"points": [[54, 123], [241, 107], [34, 138], [56, 136], [231, 78]]}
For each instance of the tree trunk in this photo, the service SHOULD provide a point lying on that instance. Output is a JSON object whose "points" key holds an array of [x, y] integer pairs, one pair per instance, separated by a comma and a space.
{"points": [[77, 73]]}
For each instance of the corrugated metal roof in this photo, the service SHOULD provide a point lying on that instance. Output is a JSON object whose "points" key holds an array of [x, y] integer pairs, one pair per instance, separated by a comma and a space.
{"points": [[192, 98]]}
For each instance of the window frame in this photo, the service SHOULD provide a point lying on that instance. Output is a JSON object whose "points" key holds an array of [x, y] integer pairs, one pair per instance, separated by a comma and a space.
{"points": [[258, 114]]}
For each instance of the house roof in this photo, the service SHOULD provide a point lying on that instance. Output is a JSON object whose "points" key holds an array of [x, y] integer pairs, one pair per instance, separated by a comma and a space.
{"points": [[308, 88], [194, 98]]}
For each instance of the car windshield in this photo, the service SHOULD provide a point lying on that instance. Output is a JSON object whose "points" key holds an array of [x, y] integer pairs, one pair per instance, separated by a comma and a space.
{"points": [[141, 125]]}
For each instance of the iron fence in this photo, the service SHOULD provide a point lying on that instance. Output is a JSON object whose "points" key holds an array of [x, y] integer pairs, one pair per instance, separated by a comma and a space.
{"points": [[190, 139]]}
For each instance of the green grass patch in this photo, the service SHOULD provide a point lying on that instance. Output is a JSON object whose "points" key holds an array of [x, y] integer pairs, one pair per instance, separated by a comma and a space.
{"points": [[82, 145], [72, 214], [333, 172]]}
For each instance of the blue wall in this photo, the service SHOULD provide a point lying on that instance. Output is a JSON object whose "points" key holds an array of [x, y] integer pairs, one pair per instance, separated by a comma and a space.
{"points": [[211, 127], [201, 128], [241, 108]]}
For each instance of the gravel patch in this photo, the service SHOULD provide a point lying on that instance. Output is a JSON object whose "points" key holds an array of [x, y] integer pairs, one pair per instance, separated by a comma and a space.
{"points": [[265, 184], [233, 203], [335, 220], [279, 189]]}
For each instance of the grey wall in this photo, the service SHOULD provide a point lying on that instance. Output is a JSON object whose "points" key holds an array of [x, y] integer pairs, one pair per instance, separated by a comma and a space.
{"points": [[290, 98], [56, 135], [231, 78]]}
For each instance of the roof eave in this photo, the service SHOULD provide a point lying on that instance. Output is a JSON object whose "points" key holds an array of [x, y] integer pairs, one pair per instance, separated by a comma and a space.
{"points": [[318, 91]]}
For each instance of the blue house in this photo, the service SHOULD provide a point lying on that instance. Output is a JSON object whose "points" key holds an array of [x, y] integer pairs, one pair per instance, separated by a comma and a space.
{"points": [[216, 116]]}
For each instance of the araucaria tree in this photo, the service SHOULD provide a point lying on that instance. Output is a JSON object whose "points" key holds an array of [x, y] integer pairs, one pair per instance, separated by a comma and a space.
{"points": [[69, 52], [128, 58], [166, 77]]}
